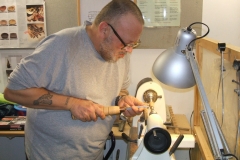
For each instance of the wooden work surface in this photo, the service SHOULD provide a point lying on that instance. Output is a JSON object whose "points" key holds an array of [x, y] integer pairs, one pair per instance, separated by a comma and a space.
{"points": [[117, 134], [181, 121], [11, 133]]}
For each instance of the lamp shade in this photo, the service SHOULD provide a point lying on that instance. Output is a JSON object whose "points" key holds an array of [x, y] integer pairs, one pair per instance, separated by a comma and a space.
{"points": [[172, 66]]}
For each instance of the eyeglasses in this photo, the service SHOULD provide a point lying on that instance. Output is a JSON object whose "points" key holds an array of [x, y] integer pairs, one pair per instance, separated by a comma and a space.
{"points": [[127, 46]]}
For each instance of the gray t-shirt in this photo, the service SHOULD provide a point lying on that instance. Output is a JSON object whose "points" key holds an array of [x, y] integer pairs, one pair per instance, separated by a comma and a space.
{"points": [[67, 63]]}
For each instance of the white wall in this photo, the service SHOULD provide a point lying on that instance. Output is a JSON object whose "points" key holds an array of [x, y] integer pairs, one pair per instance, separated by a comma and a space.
{"points": [[223, 19]]}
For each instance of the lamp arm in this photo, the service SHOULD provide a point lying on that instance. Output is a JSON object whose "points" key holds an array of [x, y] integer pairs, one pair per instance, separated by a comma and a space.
{"points": [[213, 127]]}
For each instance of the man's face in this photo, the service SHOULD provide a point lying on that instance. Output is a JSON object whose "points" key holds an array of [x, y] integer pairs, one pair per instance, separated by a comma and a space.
{"points": [[120, 38], [108, 51]]}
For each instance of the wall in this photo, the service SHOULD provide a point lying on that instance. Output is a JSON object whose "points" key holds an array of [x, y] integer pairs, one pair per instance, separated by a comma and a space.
{"points": [[164, 37], [60, 15], [191, 11], [223, 19]]}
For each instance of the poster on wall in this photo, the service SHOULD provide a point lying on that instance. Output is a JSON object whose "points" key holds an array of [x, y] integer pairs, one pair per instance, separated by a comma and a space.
{"points": [[158, 13], [22, 23]]}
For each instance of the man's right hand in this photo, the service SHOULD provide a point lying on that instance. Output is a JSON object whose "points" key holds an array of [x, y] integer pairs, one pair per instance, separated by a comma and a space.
{"points": [[85, 110]]}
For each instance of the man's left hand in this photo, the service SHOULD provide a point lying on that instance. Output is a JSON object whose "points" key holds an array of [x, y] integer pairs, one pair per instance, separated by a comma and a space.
{"points": [[132, 102]]}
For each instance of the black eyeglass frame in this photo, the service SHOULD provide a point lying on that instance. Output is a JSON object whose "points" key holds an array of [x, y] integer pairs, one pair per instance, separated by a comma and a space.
{"points": [[124, 44]]}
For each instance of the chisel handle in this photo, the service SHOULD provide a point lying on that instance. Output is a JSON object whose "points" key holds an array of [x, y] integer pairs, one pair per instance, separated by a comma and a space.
{"points": [[112, 110]]}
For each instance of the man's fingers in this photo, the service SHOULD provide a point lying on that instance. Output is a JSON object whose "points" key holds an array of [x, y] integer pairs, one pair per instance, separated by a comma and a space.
{"points": [[99, 112]]}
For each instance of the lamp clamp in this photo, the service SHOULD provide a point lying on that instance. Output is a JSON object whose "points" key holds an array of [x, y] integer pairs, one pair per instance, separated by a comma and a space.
{"points": [[221, 47]]}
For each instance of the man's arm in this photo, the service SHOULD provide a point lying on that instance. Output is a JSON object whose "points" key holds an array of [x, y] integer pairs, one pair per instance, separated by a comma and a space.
{"points": [[41, 98], [38, 98]]}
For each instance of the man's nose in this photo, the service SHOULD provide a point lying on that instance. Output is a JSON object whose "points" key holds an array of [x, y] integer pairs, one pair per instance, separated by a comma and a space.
{"points": [[129, 49]]}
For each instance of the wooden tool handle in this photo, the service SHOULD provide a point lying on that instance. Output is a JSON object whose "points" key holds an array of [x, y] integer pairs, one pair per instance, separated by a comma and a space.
{"points": [[112, 110]]}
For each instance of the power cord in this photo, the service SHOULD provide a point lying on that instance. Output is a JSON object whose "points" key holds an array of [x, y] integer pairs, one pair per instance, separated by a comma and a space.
{"points": [[189, 29], [190, 150], [191, 122], [229, 154]]}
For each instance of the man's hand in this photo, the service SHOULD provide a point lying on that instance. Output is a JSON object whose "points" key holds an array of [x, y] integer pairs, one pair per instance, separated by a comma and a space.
{"points": [[130, 101], [85, 110]]}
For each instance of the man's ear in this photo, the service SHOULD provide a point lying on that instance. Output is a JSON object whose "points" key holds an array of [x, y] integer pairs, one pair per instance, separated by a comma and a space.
{"points": [[103, 28]]}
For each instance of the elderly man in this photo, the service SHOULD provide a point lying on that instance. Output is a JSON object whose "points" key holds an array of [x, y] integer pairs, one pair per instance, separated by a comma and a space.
{"points": [[77, 71]]}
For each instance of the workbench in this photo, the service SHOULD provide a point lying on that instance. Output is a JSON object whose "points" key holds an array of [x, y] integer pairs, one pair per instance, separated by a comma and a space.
{"points": [[117, 134], [131, 148]]}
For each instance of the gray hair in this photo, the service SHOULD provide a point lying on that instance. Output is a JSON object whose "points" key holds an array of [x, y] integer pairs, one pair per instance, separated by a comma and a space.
{"points": [[117, 8]]}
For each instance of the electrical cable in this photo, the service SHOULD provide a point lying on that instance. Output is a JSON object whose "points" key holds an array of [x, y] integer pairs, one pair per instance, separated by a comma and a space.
{"points": [[229, 154], [191, 121], [218, 91], [223, 69], [189, 29], [191, 133], [190, 150], [221, 82]]}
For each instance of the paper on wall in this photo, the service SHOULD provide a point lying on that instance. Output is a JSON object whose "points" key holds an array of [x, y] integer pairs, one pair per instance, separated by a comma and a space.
{"points": [[22, 23]]}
